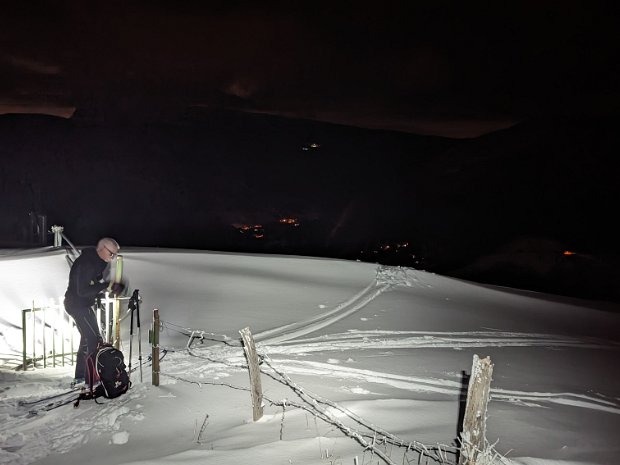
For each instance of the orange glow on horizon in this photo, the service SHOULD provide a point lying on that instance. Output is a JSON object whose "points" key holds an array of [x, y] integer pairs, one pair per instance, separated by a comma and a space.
{"points": [[291, 221]]}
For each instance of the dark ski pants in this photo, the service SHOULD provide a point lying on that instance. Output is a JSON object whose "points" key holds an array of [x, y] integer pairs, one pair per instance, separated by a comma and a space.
{"points": [[86, 323]]}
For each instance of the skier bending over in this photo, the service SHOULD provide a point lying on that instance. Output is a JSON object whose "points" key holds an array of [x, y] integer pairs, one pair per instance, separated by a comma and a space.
{"points": [[85, 282]]}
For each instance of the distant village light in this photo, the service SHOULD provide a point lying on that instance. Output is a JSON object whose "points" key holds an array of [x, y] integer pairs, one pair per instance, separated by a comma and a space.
{"points": [[568, 252], [291, 221], [311, 146]]}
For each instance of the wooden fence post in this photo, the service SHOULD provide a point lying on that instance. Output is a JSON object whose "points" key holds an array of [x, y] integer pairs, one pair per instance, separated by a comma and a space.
{"points": [[155, 350], [24, 339], [250, 354], [473, 437]]}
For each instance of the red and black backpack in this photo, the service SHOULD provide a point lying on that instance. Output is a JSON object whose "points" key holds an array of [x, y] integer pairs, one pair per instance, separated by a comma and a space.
{"points": [[106, 374]]}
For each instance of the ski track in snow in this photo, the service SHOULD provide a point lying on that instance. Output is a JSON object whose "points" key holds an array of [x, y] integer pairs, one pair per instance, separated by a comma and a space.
{"points": [[293, 330], [288, 340], [442, 386], [386, 278], [420, 340], [222, 360]]}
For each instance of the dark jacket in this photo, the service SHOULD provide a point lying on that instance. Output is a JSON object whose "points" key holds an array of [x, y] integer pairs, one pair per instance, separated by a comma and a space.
{"points": [[84, 280]]}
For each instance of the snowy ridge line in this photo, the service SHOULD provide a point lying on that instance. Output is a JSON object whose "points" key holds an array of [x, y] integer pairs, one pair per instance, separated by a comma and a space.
{"points": [[445, 386], [293, 330]]}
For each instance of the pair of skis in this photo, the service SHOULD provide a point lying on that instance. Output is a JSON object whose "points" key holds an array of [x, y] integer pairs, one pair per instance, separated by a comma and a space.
{"points": [[45, 404], [48, 403]]}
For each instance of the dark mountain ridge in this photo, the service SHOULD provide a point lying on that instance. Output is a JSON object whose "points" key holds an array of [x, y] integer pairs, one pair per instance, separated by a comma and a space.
{"points": [[188, 182]]}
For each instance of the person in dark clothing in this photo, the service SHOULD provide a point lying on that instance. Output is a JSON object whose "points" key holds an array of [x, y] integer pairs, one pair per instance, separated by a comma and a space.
{"points": [[86, 281]]}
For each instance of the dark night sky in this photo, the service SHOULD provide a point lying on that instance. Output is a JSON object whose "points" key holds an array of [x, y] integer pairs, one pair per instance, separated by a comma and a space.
{"points": [[523, 97], [451, 68]]}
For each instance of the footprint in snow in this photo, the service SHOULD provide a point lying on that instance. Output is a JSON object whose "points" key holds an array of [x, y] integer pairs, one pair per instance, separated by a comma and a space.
{"points": [[122, 437]]}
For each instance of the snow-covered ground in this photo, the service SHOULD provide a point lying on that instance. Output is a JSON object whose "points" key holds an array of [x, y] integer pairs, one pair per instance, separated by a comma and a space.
{"points": [[352, 350]]}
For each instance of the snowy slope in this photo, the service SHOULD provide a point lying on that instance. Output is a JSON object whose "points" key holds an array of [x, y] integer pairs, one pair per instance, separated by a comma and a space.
{"points": [[381, 351]]}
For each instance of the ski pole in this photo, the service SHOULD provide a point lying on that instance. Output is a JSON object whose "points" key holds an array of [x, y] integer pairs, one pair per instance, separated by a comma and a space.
{"points": [[131, 309], [139, 334]]}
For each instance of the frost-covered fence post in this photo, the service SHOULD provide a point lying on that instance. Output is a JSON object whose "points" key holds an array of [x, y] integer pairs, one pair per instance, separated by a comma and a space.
{"points": [[473, 437], [250, 354], [57, 230], [155, 350]]}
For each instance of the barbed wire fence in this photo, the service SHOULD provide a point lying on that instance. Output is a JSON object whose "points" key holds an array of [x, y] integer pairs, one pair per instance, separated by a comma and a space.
{"points": [[377, 443]]}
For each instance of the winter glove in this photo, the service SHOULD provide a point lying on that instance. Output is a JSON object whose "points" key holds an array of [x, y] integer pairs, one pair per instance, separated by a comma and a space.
{"points": [[117, 289]]}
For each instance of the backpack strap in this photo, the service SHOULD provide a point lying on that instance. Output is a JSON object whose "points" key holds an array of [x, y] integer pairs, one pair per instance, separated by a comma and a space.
{"points": [[86, 395]]}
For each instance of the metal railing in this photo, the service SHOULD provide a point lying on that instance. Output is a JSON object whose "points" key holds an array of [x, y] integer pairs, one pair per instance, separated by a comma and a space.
{"points": [[50, 337], [48, 333]]}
